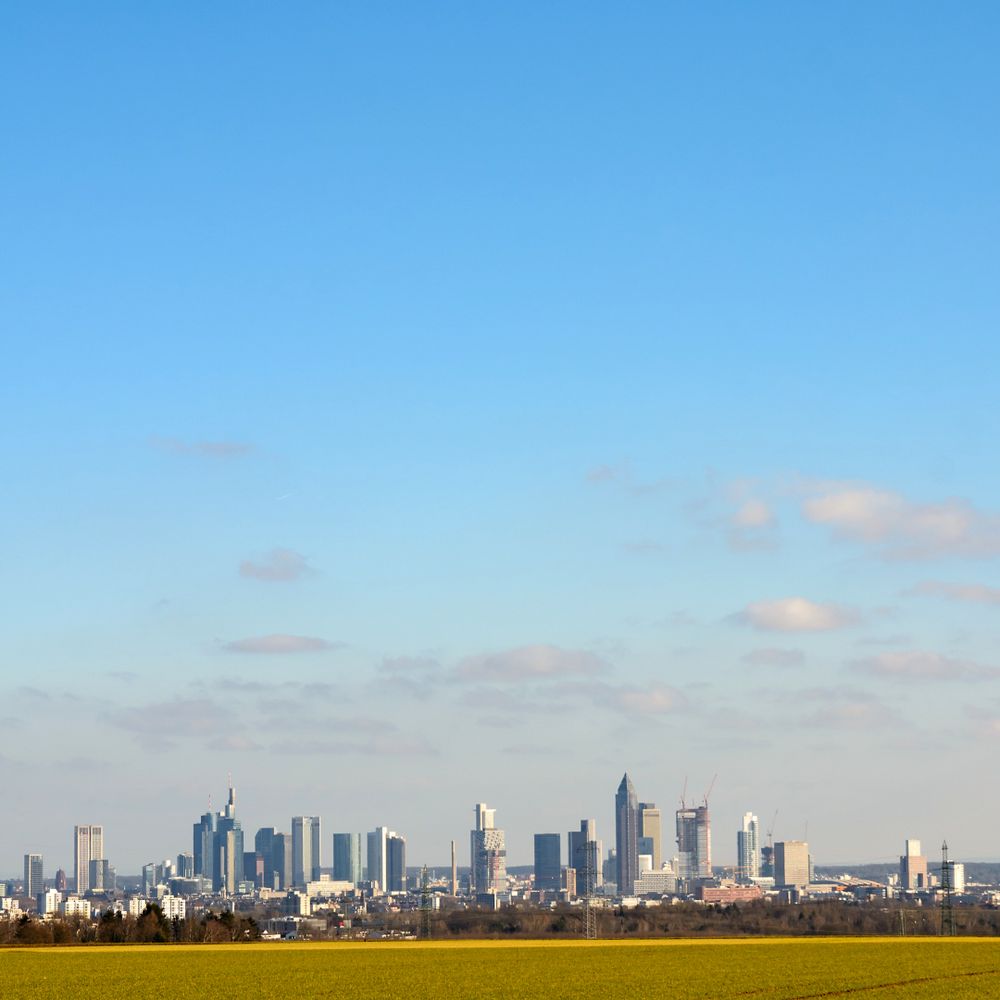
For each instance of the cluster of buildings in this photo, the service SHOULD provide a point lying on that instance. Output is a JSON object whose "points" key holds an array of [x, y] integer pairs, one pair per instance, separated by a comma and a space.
{"points": [[284, 870]]}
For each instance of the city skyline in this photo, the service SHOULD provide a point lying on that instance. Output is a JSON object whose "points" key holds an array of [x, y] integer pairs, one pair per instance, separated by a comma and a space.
{"points": [[293, 859], [410, 411]]}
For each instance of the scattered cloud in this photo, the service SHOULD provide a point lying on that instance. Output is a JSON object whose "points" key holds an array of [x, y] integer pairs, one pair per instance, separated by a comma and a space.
{"points": [[883, 640], [987, 722], [972, 593], [753, 514], [623, 477], [280, 643], [923, 666], [774, 657], [796, 614], [838, 708], [205, 449], [604, 473], [277, 566], [162, 725], [527, 663], [895, 527], [408, 664], [655, 699], [751, 527]]}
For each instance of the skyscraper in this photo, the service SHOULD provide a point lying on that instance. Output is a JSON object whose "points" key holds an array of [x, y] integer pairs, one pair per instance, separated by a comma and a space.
{"points": [[228, 848], [913, 867], [626, 836], [395, 863], [748, 849], [791, 864], [584, 856], [34, 875], [101, 876], [548, 870], [203, 846], [281, 861], [347, 857], [88, 845], [263, 845], [305, 849], [694, 842], [488, 868], [651, 833], [378, 861]]}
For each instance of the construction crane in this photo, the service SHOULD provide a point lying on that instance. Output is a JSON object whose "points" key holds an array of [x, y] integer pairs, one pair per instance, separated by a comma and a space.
{"points": [[710, 787], [770, 831], [684, 793]]}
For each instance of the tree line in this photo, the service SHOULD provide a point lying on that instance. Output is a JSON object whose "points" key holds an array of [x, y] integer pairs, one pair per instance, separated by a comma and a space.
{"points": [[151, 927]]}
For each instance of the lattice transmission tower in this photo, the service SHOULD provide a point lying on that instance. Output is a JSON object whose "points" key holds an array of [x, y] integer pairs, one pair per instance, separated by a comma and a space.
{"points": [[589, 909], [425, 904], [947, 910]]}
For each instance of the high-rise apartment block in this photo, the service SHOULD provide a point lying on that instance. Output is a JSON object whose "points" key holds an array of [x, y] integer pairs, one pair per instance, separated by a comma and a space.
{"points": [[488, 850], [791, 864], [626, 835], [88, 845], [748, 849], [548, 869]]}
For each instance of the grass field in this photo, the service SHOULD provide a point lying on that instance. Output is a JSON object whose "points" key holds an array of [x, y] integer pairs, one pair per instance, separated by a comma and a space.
{"points": [[762, 968]]}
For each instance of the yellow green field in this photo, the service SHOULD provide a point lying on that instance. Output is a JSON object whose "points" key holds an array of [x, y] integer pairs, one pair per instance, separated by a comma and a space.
{"points": [[763, 968]]}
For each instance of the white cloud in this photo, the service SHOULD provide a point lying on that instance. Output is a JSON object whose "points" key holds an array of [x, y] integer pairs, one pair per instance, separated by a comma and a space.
{"points": [[525, 663], [278, 565], [898, 528], [973, 593], [796, 614], [280, 643], [923, 666]]}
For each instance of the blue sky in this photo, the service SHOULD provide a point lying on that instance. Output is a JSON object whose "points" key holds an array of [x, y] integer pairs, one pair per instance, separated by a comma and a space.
{"points": [[568, 389]]}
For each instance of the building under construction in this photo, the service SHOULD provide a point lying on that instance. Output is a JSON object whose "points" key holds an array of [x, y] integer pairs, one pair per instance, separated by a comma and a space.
{"points": [[694, 842]]}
